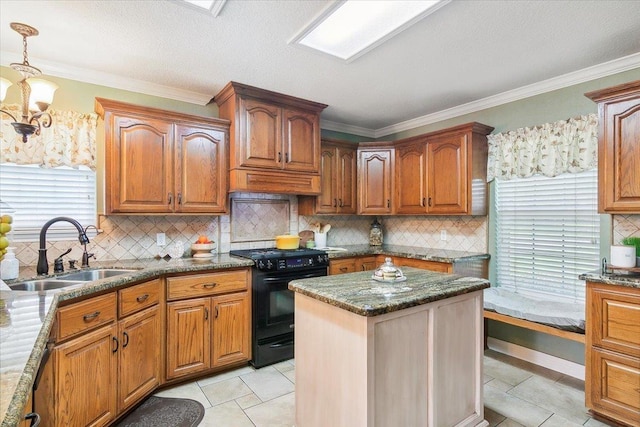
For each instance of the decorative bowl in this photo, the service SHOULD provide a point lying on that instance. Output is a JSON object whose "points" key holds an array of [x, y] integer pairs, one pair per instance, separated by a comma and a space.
{"points": [[287, 241]]}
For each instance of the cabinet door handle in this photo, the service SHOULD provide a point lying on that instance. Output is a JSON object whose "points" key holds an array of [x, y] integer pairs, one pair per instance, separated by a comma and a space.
{"points": [[179, 198], [91, 316], [335, 203], [424, 202], [170, 198], [115, 341], [388, 203], [286, 157], [217, 312], [34, 417], [429, 201], [206, 314], [279, 157], [125, 338], [142, 298], [210, 285], [340, 203]]}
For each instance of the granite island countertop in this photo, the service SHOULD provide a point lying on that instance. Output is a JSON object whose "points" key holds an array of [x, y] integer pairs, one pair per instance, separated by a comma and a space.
{"points": [[362, 295], [617, 279], [26, 319], [413, 252]]}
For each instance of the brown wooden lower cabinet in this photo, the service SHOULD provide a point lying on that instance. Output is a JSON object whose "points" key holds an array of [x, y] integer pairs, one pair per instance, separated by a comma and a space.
{"points": [[612, 383], [352, 264]]}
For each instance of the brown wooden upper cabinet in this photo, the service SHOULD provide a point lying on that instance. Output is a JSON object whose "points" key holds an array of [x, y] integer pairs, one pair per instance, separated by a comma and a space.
{"points": [[443, 172], [618, 148], [376, 162], [159, 161], [338, 169], [274, 140]]}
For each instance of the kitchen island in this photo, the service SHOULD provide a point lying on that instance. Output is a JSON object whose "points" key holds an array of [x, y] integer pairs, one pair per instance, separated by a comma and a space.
{"points": [[372, 353]]}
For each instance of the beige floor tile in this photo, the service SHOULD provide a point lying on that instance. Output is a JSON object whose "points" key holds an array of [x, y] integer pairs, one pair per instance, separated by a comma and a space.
{"points": [[486, 378], [284, 366], [492, 417], [500, 385], [513, 407], [186, 391], [595, 423], [225, 391], [510, 423], [524, 365], [291, 375], [248, 401], [561, 399], [504, 372], [557, 421], [279, 412], [227, 414], [268, 383], [225, 376]]}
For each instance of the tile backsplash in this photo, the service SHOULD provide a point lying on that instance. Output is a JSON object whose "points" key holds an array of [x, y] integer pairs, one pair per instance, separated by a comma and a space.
{"points": [[625, 226], [253, 222]]}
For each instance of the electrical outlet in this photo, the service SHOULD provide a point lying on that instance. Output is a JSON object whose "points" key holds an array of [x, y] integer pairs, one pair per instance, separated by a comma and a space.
{"points": [[443, 234], [161, 239]]}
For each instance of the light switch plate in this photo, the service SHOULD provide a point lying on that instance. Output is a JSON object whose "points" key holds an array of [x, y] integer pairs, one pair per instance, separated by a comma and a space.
{"points": [[443, 234], [161, 239]]}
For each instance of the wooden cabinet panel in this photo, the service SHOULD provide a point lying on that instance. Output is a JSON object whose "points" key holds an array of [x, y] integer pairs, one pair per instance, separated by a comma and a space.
{"points": [[139, 356], [613, 352], [301, 142], [261, 131], [327, 201], [188, 337], [159, 161], [138, 297], [231, 341], [201, 169], [366, 263], [83, 316], [618, 148], [375, 180], [411, 180], [347, 170], [86, 367], [442, 267], [342, 266], [139, 165], [198, 285], [447, 175]]}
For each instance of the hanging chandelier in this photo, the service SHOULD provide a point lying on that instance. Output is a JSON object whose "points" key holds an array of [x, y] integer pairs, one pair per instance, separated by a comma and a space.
{"points": [[37, 94]]}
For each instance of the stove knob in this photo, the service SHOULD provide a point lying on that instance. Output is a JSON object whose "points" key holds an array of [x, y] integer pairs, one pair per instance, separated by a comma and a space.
{"points": [[269, 264], [260, 265]]}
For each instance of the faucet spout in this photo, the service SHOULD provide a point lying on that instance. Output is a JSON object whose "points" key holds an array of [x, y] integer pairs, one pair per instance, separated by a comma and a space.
{"points": [[43, 264]]}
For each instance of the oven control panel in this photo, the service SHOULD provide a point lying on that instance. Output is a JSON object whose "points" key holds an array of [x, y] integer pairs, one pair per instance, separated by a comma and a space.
{"points": [[292, 263]]}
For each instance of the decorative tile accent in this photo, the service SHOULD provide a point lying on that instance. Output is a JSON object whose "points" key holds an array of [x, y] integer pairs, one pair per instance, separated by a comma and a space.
{"points": [[258, 219], [625, 226]]}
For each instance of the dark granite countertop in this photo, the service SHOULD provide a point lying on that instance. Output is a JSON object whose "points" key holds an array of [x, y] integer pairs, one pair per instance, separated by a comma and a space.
{"points": [[360, 294], [425, 254], [617, 279], [26, 319]]}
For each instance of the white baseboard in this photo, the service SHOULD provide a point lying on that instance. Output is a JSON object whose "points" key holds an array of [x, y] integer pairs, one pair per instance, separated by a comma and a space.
{"points": [[557, 364]]}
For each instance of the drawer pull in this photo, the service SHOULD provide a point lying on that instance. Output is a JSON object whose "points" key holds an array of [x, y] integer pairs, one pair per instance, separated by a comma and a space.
{"points": [[210, 285], [115, 340], [142, 298], [217, 312], [125, 337], [343, 269], [88, 317], [206, 314]]}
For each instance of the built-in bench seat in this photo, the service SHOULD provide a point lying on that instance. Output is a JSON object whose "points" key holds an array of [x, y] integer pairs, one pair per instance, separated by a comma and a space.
{"points": [[561, 319]]}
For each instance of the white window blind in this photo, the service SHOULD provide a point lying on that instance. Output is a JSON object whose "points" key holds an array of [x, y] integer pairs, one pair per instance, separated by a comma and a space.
{"points": [[40, 194], [547, 233]]}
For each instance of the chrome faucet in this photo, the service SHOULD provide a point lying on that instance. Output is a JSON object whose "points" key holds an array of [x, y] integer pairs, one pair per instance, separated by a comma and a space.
{"points": [[86, 255], [43, 264]]}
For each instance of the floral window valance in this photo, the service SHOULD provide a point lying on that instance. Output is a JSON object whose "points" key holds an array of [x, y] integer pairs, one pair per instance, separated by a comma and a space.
{"points": [[550, 149], [70, 141]]}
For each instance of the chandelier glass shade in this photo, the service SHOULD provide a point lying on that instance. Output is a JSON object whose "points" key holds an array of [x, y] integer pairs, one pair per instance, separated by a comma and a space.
{"points": [[36, 94]]}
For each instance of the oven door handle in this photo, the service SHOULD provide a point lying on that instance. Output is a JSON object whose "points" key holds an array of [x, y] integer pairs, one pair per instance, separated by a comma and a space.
{"points": [[293, 277]]}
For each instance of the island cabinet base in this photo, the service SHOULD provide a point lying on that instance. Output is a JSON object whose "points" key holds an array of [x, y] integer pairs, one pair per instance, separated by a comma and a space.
{"points": [[421, 366]]}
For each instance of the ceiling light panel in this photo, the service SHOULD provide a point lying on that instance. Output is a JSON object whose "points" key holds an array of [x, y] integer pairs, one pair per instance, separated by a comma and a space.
{"points": [[348, 29]]}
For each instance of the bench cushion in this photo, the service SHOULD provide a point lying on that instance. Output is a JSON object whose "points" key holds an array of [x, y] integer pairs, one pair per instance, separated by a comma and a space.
{"points": [[563, 315]]}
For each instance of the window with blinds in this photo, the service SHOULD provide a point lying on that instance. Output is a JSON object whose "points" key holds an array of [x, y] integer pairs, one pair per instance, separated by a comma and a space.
{"points": [[40, 194], [547, 233]]}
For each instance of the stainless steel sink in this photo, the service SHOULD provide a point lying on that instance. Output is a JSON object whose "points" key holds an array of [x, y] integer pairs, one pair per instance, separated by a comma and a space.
{"points": [[97, 274], [44, 285]]}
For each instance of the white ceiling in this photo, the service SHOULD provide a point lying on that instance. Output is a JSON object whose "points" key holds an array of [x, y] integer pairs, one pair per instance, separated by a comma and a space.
{"points": [[468, 53]]}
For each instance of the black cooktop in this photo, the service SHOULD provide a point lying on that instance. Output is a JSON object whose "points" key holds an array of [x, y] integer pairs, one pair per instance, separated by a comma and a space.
{"points": [[273, 253]]}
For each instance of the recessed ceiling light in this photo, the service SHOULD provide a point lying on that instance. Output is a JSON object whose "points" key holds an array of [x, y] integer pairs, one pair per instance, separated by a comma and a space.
{"points": [[350, 28], [213, 6]]}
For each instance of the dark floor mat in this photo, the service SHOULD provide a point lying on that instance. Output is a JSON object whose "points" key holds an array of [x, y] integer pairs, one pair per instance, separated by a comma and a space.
{"points": [[164, 411]]}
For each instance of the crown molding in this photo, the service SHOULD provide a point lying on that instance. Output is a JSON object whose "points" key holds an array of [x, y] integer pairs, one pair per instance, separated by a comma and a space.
{"points": [[605, 69], [342, 127], [111, 80]]}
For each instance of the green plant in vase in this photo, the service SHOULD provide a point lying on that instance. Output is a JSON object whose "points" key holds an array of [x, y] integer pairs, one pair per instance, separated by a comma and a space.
{"points": [[633, 241]]}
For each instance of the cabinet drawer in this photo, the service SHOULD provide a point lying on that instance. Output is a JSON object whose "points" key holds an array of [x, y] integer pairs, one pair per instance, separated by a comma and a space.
{"points": [[341, 266], [138, 297], [197, 285], [86, 315], [614, 319], [613, 389]]}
